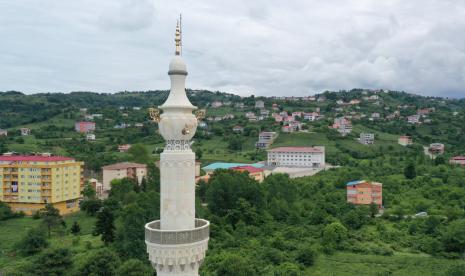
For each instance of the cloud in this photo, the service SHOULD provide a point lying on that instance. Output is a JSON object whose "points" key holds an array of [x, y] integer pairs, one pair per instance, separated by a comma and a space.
{"points": [[245, 47]]}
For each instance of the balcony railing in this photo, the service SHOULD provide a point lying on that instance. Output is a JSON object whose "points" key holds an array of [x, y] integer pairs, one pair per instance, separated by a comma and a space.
{"points": [[154, 234]]}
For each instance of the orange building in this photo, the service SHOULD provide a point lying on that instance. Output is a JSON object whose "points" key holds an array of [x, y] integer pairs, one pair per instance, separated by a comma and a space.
{"points": [[256, 173], [363, 192]]}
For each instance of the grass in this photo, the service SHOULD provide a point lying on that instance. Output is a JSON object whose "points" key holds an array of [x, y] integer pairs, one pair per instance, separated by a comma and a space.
{"points": [[13, 230], [343, 263]]}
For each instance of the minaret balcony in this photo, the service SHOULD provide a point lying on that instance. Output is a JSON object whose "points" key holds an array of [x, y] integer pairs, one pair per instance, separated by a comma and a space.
{"points": [[153, 233]]}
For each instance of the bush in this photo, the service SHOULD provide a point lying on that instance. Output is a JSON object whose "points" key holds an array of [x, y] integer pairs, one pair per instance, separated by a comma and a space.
{"points": [[306, 256], [34, 241]]}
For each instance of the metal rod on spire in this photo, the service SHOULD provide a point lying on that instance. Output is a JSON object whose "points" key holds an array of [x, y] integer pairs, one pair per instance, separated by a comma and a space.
{"points": [[180, 31], [177, 39]]}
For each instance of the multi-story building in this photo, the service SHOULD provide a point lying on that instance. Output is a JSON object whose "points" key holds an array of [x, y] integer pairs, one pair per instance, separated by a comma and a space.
{"points": [[29, 182], [367, 138], [123, 170], [457, 160], [309, 157], [405, 140], [259, 104], [124, 147], [25, 131], [216, 104], [84, 126], [436, 148], [343, 126], [3, 132], [98, 187], [362, 192], [265, 139], [414, 119]]}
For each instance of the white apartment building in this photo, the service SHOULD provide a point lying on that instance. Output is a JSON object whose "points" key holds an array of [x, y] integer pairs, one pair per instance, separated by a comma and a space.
{"points": [[367, 138], [308, 157], [265, 139]]}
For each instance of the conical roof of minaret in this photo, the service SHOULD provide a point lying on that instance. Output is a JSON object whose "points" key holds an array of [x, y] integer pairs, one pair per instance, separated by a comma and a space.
{"points": [[177, 72]]}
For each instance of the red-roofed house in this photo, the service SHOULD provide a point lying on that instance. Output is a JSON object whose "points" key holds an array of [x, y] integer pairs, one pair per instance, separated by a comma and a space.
{"points": [[457, 160], [256, 173], [309, 157]]}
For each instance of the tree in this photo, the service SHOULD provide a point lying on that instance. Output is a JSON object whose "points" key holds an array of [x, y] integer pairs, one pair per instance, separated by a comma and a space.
{"points": [[54, 262], [130, 233], [134, 267], [89, 192], [91, 206], [105, 226], [75, 228], [198, 154], [306, 255], [410, 171], [334, 234], [454, 236], [51, 217], [139, 153], [456, 270], [33, 242], [235, 143], [102, 262], [5, 211]]}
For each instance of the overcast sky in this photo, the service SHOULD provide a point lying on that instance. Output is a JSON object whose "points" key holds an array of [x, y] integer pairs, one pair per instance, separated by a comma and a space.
{"points": [[268, 47]]}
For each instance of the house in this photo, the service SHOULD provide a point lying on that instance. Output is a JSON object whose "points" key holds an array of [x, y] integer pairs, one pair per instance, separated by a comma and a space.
{"points": [[264, 112], [374, 97], [436, 148], [342, 125], [136, 108], [413, 119], [90, 137], [84, 127], [216, 104], [25, 131], [228, 116], [138, 124], [362, 192], [287, 129], [98, 188], [313, 116], [203, 124], [284, 114], [457, 160], [3, 132], [375, 115], [277, 118], [227, 103], [307, 157], [354, 102], [259, 104], [239, 105], [265, 139], [123, 170], [249, 115], [405, 140], [367, 138], [297, 114], [256, 173], [275, 107], [124, 148], [238, 129], [253, 118]]}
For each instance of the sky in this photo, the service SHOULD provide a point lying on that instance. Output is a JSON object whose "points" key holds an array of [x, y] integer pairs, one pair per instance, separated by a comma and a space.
{"points": [[244, 47]]}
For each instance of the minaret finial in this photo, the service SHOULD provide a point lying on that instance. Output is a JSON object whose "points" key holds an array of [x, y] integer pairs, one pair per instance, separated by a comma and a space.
{"points": [[178, 38]]}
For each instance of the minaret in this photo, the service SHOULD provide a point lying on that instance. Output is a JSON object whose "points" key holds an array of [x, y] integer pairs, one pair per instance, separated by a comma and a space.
{"points": [[178, 241]]}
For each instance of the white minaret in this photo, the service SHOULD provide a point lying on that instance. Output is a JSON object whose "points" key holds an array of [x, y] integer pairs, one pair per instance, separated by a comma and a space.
{"points": [[178, 241]]}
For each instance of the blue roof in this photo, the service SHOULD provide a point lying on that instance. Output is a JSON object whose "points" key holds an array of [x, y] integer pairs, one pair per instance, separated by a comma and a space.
{"points": [[355, 182], [221, 165]]}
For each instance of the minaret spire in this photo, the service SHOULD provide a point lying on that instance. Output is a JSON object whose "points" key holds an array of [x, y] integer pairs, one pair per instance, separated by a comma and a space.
{"points": [[178, 38]]}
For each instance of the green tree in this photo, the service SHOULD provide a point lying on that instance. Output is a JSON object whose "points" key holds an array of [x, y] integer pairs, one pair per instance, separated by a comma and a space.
{"points": [[306, 255], [334, 234], [53, 262], [34, 241], [454, 236], [105, 226], [410, 171], [130, 232], [51, 217], [134, 267], [75, 228], [139, 153], [88, 192], [102, 262]]}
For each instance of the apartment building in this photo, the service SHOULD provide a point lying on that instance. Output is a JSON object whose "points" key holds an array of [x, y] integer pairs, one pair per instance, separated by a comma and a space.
{"points": [[84, 127], [29, 182], [308, 157], [436, 148], [367, 138], [265, 139], [122, 170], [405, 140], [362, 192]]}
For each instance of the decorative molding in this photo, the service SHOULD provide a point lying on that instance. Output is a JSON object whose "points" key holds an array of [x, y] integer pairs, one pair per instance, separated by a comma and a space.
{"points": [[177, 145]]}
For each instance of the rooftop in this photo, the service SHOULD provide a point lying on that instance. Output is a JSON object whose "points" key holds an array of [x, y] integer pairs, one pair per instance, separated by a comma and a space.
{"points": [[250, 169], [34, 158], [123, 166], [298, 149], [357, 182], [221, 165]]}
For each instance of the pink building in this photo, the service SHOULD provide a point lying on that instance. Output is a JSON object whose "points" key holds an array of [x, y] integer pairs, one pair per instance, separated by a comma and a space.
{"points": [[83, 127], [362, 192], [124, 148], [405, 141]]}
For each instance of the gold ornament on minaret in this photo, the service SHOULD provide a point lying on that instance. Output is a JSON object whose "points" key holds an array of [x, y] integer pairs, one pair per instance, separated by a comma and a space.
{"points": [[154, 114]]}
